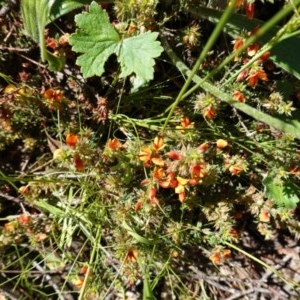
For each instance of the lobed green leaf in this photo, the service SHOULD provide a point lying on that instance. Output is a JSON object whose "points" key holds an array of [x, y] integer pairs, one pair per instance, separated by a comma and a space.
{"points": [[284, 194], [97, 39]]}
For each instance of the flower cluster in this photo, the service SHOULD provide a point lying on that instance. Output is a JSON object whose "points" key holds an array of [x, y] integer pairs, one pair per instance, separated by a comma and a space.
{"points": [[176, 169], [276, 104], [255, 72], [73, 148]]}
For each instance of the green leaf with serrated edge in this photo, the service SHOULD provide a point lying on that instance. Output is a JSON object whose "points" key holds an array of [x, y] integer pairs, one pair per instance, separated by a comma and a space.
{"points": [[136, 55], [97, 39], [284, 194], [283, 54]]}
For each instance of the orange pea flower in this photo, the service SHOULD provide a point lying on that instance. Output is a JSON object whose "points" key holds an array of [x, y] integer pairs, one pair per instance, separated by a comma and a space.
{"points": [[256, 75], [249, 8], [252, 49], [24, 219], [152, 196], [295, 170], [169, 182], [158, 143], [221, 144], [132, 255], [138, 206], [265, 56], [237, 95], [78, 162], [180, 189], [239, 3], [241, 77], [71, 139], [40, 237], [238, 43], [218, 256], [51, 94], [145, 155], [157, 160], [158, 173], [203, 147], [174, 155], [209, 113], [114, 144], [24, 190], [264, 216], [185, 123], [197, 171], [234, 233], [235, 170], [215, 258], [226, 253]]}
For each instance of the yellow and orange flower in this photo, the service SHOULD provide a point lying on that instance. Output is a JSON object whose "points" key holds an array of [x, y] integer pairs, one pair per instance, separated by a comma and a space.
{"points": [[255, 76], [185, 123], [169, 182], [221, 144], [174, 155], [180, 189], [197, 171], [158, 173], [235, 170], [132, 255], [158, 143]]}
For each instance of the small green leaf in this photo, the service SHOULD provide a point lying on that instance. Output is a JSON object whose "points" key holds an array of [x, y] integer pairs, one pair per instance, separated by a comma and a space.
{"points": [[97, 39], [283, 193]]}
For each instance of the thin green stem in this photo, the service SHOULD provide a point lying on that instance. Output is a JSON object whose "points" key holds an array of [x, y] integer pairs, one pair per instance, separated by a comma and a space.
{"points": [[210, 43]]}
